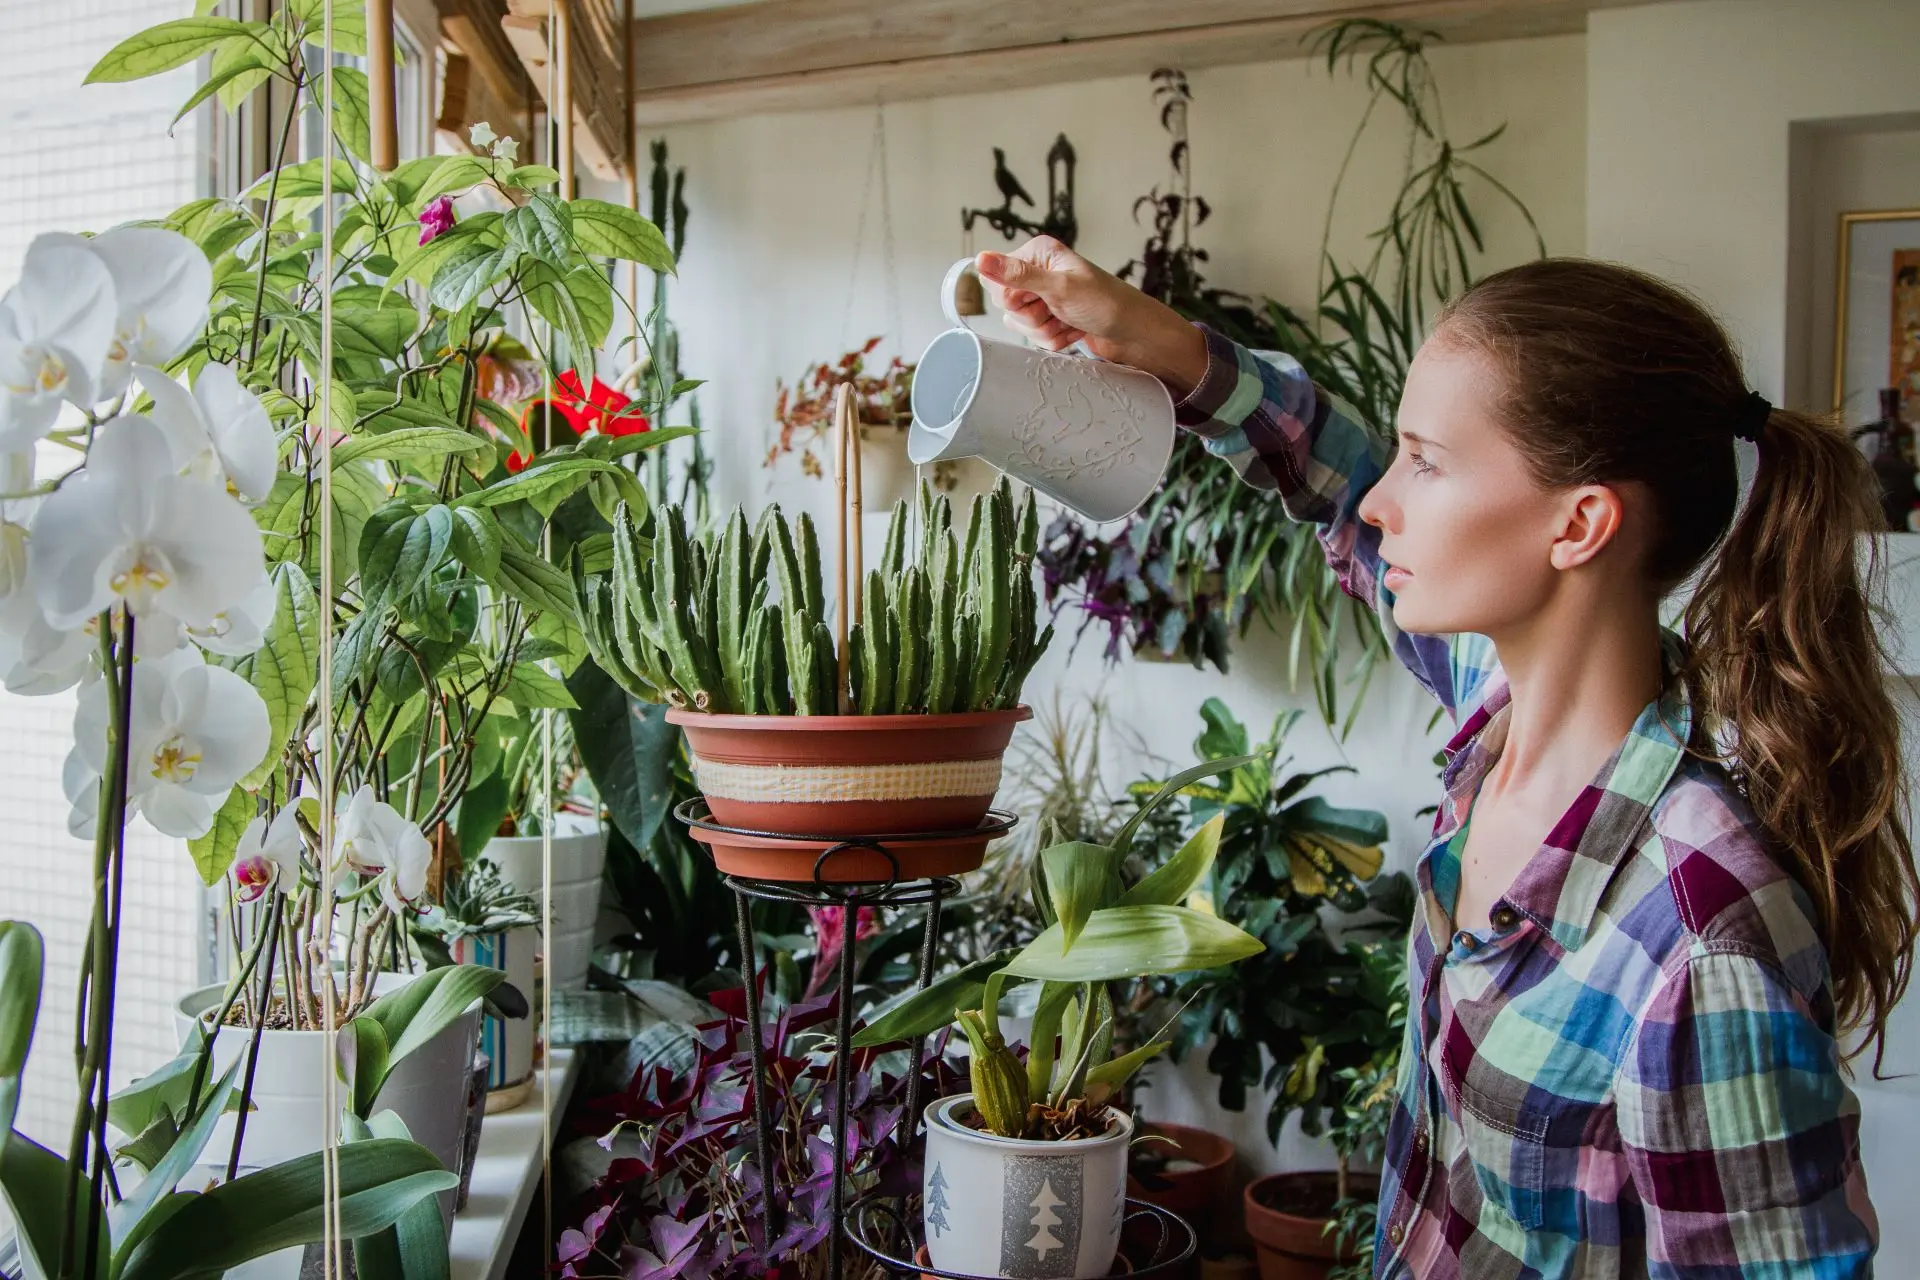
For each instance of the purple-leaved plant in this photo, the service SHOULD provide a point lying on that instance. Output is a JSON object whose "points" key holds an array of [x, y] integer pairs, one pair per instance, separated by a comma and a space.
{"points": [[683, 1198]]}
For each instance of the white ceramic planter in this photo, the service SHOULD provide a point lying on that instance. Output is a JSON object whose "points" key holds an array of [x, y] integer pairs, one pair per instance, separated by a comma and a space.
{"points": [[507, 1042], [579, 855], [1024, 1210], [289, 1120]]}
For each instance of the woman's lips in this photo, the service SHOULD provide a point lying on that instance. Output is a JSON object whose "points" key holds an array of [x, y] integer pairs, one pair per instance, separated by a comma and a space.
{"points": [[1395, 578]]}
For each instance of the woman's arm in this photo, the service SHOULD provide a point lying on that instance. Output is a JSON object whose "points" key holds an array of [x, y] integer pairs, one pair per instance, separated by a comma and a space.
{"points": [[1257, 411], [1742, 1138]]}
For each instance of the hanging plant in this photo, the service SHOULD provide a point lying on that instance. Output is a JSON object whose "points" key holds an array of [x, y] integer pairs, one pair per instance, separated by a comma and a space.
{"points": [[1210, 554], [804, 411]]}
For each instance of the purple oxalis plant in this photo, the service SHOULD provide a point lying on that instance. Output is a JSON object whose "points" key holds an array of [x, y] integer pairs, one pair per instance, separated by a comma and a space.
{"points": [[684, 1199]]}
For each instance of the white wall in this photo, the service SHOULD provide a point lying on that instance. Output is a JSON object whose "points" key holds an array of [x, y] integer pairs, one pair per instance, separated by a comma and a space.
{"points": [[1691, 112]]}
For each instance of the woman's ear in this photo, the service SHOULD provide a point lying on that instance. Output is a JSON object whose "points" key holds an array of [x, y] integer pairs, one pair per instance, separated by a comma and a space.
{"points": [[1593, 518]]}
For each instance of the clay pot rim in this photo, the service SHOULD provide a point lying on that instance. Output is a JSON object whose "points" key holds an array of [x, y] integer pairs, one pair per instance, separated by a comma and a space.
{"points": [[1256, 1210], [845, 724], [1120, 1266], [1145, 1128], [1120, 1130]]}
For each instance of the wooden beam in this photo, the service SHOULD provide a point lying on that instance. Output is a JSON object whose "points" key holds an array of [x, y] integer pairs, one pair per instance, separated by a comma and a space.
{"points": [[473, 28], [597, 48], [793, 55], [382, 109]]}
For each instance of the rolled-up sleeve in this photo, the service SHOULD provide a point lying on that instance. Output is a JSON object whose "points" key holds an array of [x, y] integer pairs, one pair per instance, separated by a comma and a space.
{"points": [[1741, 1135]]}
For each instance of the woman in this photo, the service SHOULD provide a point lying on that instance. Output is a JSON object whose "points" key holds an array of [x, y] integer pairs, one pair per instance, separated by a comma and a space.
{"points": [[1667, 874]]}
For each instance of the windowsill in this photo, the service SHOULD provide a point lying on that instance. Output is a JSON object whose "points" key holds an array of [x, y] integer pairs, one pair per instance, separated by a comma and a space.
{"points": [[506, 1174]]}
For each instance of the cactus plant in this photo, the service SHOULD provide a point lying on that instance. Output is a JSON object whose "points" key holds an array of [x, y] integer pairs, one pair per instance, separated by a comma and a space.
{"points": [[948, 626]]}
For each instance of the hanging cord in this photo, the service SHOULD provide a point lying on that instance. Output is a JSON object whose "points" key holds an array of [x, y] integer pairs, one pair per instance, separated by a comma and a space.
{"points": [[330, 1085], [559, 65]]}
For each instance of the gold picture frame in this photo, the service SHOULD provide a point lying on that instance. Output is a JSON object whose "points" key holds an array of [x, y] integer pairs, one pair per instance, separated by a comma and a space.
{"points": [[1843, 273]]}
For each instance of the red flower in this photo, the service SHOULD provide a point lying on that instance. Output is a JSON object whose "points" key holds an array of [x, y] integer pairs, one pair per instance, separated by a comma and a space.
{"points": [[596, 408]]}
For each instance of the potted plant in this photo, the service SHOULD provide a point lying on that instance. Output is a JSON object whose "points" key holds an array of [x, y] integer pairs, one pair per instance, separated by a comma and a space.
{"points": [[1025, 1174], [1319, 1006], [507, 817], [485, 921], [896, 725], [672, 1140]]}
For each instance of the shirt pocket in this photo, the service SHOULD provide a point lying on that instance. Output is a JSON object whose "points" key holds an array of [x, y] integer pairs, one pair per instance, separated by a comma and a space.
{"points": [[1507, 1145]]}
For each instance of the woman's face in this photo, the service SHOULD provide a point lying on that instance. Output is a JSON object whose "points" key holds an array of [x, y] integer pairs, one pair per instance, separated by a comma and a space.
{"points": [[1474, 542]]}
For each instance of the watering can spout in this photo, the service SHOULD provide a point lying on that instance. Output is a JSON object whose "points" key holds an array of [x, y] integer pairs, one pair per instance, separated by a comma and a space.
{"points": [[1094, 436]]}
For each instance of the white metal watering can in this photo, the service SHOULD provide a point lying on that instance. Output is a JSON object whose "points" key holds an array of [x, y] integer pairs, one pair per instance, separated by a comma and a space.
{"points": [[1089, 434]]}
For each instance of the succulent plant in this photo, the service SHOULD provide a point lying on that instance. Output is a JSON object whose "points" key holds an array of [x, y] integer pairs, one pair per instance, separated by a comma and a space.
{"points": [[691, 622]]}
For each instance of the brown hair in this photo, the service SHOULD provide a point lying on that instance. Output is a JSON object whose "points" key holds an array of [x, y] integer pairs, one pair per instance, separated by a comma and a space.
{"points": [[1611, 375]]}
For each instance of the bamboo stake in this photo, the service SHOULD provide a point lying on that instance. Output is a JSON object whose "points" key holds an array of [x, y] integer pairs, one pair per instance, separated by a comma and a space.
{"points": [[841, 400], [384, 111], [850, 417], [633, 176], [561, 31]]}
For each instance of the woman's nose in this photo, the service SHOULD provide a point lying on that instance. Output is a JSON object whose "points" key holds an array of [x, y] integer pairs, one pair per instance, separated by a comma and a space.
{"points": [[1376, 509]]}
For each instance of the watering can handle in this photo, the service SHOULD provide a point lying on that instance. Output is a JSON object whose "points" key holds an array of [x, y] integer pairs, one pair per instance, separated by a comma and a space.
{"points": [[950, 304]]}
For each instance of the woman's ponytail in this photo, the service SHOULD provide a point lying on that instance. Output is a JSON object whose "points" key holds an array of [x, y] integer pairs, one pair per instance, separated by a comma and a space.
{"points": [[1786, 671], [1609, 375]]}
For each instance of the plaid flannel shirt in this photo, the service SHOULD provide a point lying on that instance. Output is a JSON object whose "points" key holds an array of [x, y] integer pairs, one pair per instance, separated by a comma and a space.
{"points": [[1634, 1071]]}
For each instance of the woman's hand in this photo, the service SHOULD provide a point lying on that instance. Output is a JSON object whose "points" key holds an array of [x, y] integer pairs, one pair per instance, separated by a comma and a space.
{"points": [[1055, 297]]}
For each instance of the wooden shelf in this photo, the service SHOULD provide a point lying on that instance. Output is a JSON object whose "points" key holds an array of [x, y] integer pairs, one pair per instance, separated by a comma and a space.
{"points": [[797, 55]]}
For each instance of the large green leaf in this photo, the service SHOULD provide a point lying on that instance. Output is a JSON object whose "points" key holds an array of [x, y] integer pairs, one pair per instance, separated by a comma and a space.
{"points": [[415, 1246], [1134, 942], [407, 444], [1081, 878], [302, 181], [352, 119], [603, 230], [282, 671], [181, 1156], [1173, 786], [370, 1054], [419, 1011], [1171, 882], [918, 1013], [22, 959], [456, 173], [32, 1189], [473, 268], [1354, 826], [213, 852], [542, 228], [168, 45], [628, 748], [285, 1207], [533, 580]]}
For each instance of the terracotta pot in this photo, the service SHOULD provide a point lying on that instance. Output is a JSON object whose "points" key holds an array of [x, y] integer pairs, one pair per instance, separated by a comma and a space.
{"points": [[809, 781], [1197, 1187], [1295, 1245]]}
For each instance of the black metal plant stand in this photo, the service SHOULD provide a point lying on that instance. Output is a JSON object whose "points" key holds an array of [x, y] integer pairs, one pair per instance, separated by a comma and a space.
{"points": [[1153, 1241], [893, 892]]}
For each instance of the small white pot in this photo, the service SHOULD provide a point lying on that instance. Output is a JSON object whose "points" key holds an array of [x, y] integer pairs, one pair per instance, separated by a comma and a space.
{"points": [[508, 1043], [1023, 1210], [289, 1119], [579, 855]]}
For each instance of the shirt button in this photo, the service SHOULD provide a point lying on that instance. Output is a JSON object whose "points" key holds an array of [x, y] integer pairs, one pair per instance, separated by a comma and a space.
{"points": [[1395, 1234], [1465, 941], [1420, 1143], [1504, 917]]}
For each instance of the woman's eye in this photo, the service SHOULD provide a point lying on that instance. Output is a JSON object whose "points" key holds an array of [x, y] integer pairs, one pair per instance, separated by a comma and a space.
{"points": [[1420, 465]]}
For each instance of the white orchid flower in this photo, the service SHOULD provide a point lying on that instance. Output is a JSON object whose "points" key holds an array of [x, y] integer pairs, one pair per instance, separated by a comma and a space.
{"points": [[55, 329], [506, 149], [374, 839], [242, 629], [218, 432], [268, 854], [35, 659], [195, 730], [481, 134], [162, 283], [130, 531]]}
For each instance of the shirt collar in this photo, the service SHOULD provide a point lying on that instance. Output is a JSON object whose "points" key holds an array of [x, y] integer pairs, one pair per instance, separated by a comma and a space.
{"points": [[1560, 887]]}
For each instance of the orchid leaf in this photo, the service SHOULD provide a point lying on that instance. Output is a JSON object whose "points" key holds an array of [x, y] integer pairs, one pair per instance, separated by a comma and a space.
{"points": [[285, 1207], [22, 960], [1081, 878], [1171, 787], [918, 1013]]}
